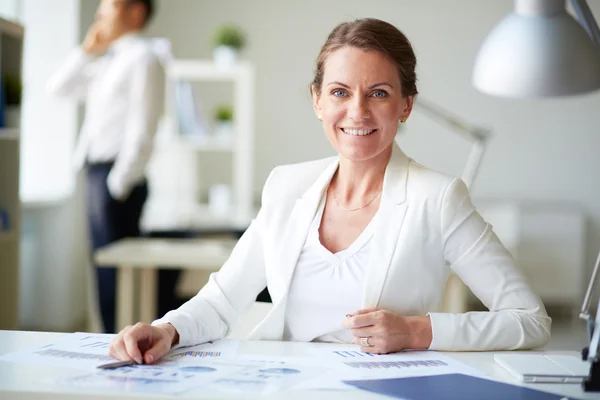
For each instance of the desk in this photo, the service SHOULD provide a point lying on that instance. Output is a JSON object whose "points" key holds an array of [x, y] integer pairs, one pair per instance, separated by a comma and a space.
{"points": [[22, 381], [147, 255]]}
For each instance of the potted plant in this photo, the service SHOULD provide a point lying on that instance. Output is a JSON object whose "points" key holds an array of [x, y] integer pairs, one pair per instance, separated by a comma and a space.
{"points": [[223, 122], [12, 97], [228, 41]]}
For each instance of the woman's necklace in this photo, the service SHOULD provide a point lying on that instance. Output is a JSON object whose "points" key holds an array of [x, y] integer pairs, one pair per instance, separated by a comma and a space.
{"points": [[337, 202]]}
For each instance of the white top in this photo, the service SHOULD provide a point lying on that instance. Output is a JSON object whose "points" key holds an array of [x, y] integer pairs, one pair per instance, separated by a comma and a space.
{"points": [[124, 95], [326, 286]]}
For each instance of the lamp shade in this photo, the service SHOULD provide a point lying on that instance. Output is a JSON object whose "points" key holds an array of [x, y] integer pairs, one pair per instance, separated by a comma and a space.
{"points": [[539, 50]]}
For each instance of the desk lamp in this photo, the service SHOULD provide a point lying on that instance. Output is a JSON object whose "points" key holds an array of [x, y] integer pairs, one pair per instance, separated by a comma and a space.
{"points": [[590, 353], [477, 135], [539, 50], [456, 291]]}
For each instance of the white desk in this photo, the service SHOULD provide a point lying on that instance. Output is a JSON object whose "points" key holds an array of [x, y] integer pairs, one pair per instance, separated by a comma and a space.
{"points": [[148, 255], [22, 381], [185, 216]]}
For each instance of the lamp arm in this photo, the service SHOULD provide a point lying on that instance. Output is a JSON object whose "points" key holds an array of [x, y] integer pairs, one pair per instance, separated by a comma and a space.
{"points": [[473, 162], [585, 308], [586, 19], [590, 353], [594, 331], [467, 130], [475, 134]]}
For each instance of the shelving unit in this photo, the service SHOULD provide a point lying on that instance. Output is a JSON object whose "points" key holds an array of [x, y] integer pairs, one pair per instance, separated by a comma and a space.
{"points": [[176, 156], [11, 51], [9, 134], [200, 145], [7, 237]]}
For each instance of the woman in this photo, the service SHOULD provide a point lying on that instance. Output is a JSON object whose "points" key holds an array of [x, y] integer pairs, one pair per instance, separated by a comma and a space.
{"points": [[356, 248]]}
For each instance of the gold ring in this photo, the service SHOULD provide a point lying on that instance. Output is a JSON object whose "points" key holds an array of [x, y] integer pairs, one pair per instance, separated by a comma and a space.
{"points": [[364, 342]]}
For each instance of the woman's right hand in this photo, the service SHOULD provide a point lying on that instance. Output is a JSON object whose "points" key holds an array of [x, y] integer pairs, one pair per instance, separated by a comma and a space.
{"points": [[94, 42], [143, 343]]}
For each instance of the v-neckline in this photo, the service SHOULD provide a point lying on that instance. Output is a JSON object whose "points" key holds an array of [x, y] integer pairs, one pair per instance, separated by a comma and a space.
{"points": [[355, 246]]}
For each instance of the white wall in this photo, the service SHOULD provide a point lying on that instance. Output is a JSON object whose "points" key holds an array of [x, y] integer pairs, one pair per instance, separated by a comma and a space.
{"points": [[54, 248], [50, 126], [9, 9], [541, 150]]}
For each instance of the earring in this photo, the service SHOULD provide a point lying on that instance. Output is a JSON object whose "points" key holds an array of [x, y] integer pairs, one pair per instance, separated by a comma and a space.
{"points": [[320, 117], [403, 120]]}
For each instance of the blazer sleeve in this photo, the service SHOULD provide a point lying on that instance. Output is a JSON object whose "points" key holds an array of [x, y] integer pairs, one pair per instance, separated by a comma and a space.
{"points": [[74, 77], [147, 93], [516, 318], [215, 309]]}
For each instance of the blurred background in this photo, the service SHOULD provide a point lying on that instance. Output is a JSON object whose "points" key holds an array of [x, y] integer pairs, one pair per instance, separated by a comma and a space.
{"points": [[538, 183]]}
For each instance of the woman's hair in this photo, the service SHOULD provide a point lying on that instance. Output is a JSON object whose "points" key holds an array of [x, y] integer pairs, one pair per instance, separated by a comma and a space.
{"points": [[372, 34]]}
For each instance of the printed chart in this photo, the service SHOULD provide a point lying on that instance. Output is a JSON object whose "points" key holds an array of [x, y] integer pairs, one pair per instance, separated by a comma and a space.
{"points": [[72, 355], [199, 354], [352, 354], [216, 367], [266, 376], [397, 364], [77, 351], [220, 349], [167, 378]]}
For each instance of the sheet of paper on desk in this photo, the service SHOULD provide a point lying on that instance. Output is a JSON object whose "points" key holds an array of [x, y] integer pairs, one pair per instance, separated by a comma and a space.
{"points": [[253, 376], [166, 378], [76, 350], [260, 375], [351, 362], [88, 350], [219, 349]]}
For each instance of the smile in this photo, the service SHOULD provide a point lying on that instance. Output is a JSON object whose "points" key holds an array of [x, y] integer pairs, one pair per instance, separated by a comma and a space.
{"points": [[358, 132]]}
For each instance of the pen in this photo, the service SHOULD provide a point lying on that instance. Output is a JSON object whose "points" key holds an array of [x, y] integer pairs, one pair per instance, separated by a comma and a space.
{"points": [[117, 364]]}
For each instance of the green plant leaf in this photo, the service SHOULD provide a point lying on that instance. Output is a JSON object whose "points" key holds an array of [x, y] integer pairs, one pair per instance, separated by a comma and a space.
{"points": [[229, 35], [224, 113]]}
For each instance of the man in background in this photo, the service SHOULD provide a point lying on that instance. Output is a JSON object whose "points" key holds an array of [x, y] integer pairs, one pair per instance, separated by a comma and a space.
{"points": [[121, 79]]}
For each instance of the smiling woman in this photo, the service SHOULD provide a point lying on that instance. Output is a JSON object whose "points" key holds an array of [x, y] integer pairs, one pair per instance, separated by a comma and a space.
{"points": [[357, 248], [361, 103]]}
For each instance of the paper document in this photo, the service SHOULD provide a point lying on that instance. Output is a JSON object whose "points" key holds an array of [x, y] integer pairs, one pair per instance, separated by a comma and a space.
{"points": [[216, 367], [85, 350], [77, 350], [163, 378], [239, 376], [349, 363], [265, 375], [452, 387], [223, 348]]}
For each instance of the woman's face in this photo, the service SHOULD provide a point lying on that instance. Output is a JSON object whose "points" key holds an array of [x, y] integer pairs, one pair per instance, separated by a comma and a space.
{"points": [[361, 103]]}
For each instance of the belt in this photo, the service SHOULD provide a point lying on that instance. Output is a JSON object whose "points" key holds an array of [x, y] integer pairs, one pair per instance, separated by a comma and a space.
{"points": [[100, 164]]}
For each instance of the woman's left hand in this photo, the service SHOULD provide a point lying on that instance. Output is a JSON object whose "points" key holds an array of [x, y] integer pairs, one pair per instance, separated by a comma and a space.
{"points": [[386, 332]]}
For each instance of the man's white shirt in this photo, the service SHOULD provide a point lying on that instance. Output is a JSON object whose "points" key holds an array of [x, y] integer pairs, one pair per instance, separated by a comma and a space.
{"points": [[124, 92]]}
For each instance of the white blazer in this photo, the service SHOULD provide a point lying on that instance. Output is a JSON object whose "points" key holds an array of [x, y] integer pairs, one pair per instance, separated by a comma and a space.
{"points": [[428, 226]]}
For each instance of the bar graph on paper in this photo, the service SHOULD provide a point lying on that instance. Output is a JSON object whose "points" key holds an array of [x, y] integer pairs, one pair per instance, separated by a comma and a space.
{"points": [[94, 341], [396, 364], [223, 348], [198, 354], [353, 354], [72, 355], [359, 359]]}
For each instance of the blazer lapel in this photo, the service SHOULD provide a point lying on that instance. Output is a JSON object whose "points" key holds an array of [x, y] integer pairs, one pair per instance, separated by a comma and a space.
{"points": [[294, 236], [297, 229], [389, 223]]}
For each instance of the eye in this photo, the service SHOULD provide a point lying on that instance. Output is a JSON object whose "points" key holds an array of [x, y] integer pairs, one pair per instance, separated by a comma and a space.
{"points": [[339, 93], [379, 94]]}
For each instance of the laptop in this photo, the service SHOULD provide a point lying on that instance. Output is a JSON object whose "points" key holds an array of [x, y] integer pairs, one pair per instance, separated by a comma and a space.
{"points": [[542, 368]]}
